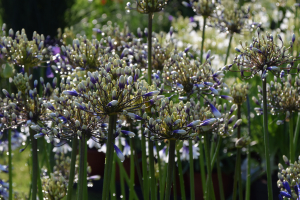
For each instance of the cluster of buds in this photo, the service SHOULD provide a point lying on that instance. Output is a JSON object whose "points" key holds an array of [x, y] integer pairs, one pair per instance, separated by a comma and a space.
{"points": [[230, 18], [119, 90], [283, 98], [148, 6], [21, 51], [185, 121], [239, 93], [55, 187], [205, 8], [189, 77], [264, 55], [289, 178]]}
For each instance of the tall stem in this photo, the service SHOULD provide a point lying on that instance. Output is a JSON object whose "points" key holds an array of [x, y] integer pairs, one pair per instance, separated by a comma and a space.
{"points": [[145, 173], [149, 48], [35, 165], [180, 173], [291, 128], [238, 158], [217, 151], [296, 133], [45, 151], [191, 159], [151, 163], [131, 167], [82, 168], [220, 180], [72, 168], [10, 195], [248, 183], [171, 164], [109, 156], [201, 162], [228, 49], [208, 183], [160, 172], [266, 140], [174, 184], [203, 37], [113, 179]]}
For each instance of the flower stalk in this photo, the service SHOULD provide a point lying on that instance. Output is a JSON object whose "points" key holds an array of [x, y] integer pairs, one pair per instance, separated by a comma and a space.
{"points": [[180, 173], [208, 181], [203, 37], [191, 159], [248, 182], [291, 130], [72, 168], [228, 48], [266, 139], [82, 169], [10, 165], [171, 164], [109, 156]]}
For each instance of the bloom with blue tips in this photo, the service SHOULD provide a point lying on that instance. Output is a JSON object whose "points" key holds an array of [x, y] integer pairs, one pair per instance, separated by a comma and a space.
{"points": [[134, 116], [71, 93], [119, 153], [215, 111]]}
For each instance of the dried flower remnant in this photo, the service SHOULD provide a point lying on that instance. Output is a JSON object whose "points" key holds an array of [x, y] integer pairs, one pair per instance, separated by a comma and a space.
{"points": [[239, 93], [263, 55]]}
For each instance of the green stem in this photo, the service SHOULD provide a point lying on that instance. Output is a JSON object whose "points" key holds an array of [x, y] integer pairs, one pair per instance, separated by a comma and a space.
{"points": [[240, 178], [203, 37], [238, 157], [160, 172], [291, 128], [266, 140], [164, 177], [228, 49], [248, 183], [296, 133], [85, 188], [220, 180], [217, 151], [40, 189], [82, 169], [123, 192], [180, 173], [10, 194], [174, 184], [145, 173], [171, 164], [149, 48], [35, 165], [113, 195], [131, 168], [151, 163], [191, 159], [208, 188], [72, 168], [126, 176], [45, 151], [201, 162], [109, 157]]}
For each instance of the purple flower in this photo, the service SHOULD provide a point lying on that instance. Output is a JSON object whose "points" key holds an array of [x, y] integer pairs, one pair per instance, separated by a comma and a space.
{"points": [[208, 122], [215, 111], [134, 116], [71, 93], [150, 94], [49, 72], [119, 153]]}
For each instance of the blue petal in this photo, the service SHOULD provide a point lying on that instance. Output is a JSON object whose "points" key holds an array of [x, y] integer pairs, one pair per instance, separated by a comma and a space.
{"points": [[287, 187], [49, 72], [215, 111], [119, 153], [71, 93], [283, 193]]}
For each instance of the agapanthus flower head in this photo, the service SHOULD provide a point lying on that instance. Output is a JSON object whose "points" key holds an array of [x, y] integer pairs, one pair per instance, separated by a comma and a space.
{"points": [[111, 92], [188, 76], [231, 18], [289, 179], [205, 8], [239, 93], [283, 96], [21, 51], [263, 55], [147, 6], [55, 186]]}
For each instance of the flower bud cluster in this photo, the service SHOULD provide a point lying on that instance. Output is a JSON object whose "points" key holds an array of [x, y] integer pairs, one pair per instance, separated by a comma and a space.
{"points": [[283, 97], [239, 93], [289, 179], [231, 18], [55, 187], [263, 55], [188, 76], [148, 6], [21, 51], [205, 8]]}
